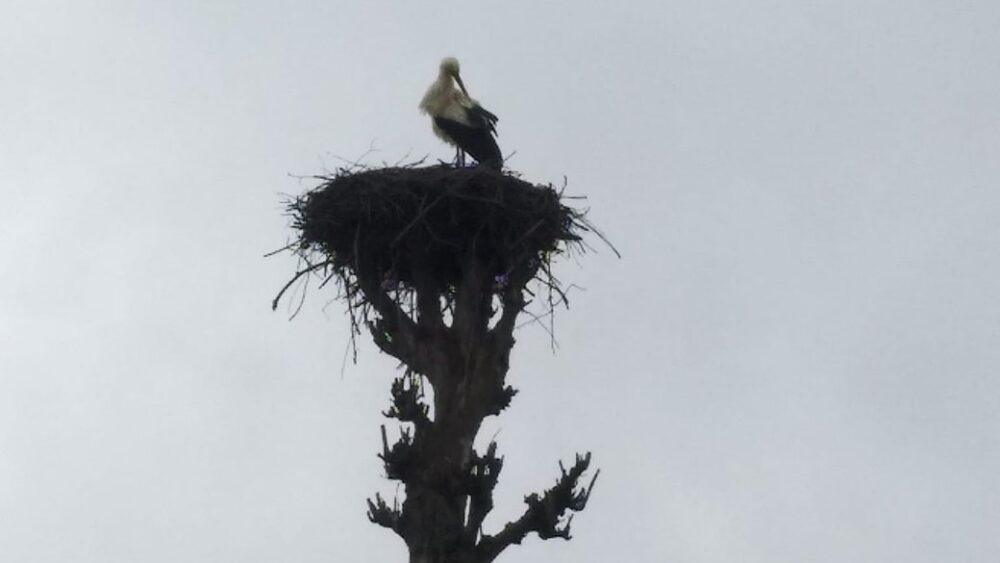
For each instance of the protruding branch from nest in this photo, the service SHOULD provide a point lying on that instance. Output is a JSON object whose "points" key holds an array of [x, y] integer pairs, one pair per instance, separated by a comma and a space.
{"points": [[309, 269], [545, 512]]}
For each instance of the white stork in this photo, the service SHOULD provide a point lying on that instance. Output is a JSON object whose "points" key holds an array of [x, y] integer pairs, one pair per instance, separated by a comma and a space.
{"points": [[459, 120]]}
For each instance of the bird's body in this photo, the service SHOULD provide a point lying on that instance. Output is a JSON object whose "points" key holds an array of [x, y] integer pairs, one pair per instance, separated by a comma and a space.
{"points": [[459, 120]]}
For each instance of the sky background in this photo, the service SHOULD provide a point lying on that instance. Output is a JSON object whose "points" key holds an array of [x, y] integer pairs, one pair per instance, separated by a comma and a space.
{"points": [[795, 360]]}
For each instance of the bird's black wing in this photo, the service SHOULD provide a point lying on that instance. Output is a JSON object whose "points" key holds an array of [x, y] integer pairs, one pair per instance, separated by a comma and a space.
{"points": [[480, 115], [477, 141]]}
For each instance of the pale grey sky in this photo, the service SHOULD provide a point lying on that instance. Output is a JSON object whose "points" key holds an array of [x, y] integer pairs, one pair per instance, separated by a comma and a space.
{"points": [[796, 359]]}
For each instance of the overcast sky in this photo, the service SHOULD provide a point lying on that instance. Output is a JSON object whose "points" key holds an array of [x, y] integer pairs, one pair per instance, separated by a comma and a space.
{"points": [[795, 360]]}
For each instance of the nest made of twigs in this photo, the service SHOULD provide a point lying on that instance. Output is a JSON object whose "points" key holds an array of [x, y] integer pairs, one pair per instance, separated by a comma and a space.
{"points": [[404, 224]]}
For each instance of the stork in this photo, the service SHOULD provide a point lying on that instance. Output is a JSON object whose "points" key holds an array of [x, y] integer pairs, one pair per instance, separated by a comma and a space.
{"points": [[459, 120]]}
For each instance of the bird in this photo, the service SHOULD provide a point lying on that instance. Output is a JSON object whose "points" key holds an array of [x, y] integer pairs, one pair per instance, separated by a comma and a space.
{"points": [[459, 120]]}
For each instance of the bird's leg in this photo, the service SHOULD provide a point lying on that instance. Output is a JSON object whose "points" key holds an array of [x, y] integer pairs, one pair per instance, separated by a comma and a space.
{"points": [[458, 157]]}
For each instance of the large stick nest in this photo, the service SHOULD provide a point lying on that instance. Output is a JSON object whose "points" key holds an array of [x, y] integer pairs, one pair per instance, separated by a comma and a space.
{"points": [[405, 223], [400, 228]]}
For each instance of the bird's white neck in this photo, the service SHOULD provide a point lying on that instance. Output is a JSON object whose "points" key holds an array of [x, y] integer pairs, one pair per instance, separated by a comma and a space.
{"points": [[440, 94]]}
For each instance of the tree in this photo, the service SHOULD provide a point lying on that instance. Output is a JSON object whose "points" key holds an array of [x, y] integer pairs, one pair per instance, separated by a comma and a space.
{"points": [[437, 263]]}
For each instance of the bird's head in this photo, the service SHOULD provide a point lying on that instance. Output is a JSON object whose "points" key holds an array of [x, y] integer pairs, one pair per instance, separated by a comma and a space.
{"points": [[449, 67]]}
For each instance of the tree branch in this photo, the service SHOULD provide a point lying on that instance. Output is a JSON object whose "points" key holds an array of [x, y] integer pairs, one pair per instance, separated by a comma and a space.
{"points": [[406, 405], [398, 460], [485, 472], [471, 317], [395, 333], [545, 512], [382, 514], [305, 271], [513, 302]]}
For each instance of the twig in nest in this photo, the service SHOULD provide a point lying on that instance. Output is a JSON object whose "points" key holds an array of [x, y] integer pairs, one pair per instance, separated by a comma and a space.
{"points": [[295, 278]]}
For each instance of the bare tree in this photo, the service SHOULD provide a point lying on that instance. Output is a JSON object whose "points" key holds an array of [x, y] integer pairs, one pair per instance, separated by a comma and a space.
{"points": [[437, 263]]}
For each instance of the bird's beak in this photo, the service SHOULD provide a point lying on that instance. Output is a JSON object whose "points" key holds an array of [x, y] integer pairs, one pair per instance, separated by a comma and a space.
{"points": [[461, 85]]}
